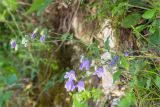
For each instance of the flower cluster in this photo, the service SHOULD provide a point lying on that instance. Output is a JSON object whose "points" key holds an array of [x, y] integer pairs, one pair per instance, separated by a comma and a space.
{"points": [[70, 82], [25, 40], [84, 65], [42, 38]]}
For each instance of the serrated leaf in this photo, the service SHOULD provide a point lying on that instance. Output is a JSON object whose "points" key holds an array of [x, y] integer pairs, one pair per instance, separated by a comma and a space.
{"points": [[131, 20], [149, 14]]}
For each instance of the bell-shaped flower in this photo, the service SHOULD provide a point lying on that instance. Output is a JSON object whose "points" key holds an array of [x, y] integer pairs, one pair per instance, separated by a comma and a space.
{"points": [[34, 34], [85, 64], [99, 72], [80, 86], [126, 54], [42, 38], [70, 75], [69, 85], [115, 59], [13, 43]]}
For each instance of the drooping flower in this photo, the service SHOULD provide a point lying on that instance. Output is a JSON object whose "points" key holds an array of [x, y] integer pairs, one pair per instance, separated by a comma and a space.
{"points": [[34, 34], [85, 64], [42, 38], [99, 72], [80, 86], [126, 54], [70, 75], [115, 59], [13, 43], [69, 85]]}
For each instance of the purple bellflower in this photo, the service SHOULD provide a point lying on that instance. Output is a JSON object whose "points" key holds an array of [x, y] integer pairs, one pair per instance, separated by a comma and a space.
{"points": [[80, 86], [99, 72], [126, 54], [42, 38], [70, 75], [34, 34], [13, 43], [115, 59], [85, 64], [69, 85]]}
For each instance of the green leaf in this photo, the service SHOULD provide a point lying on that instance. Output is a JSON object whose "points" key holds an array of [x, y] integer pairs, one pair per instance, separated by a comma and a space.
{"points": [[84, 95], [77, 102], [140, 28], [124, 63], [49, 85], [131, 20], [127, 101], [67, 36], [6, 96], [94, 50], [118, 9], [148, 83], [157, 81], [149, 14], [96, 93], [138, 3], [152, 29], [54, 66], [155, 38], [106, 44], [35, 6], [11, 79], [10, 4], [116, 75], [43, 7]]}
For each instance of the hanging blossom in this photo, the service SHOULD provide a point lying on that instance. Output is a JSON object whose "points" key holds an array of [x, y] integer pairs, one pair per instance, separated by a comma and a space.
{"points": [[85, 64], [115, 59], [13, 43], [80, 86], [69, 85], [126, 54], [99, 72], [34, 34], [42, 38], [70, 75]]}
